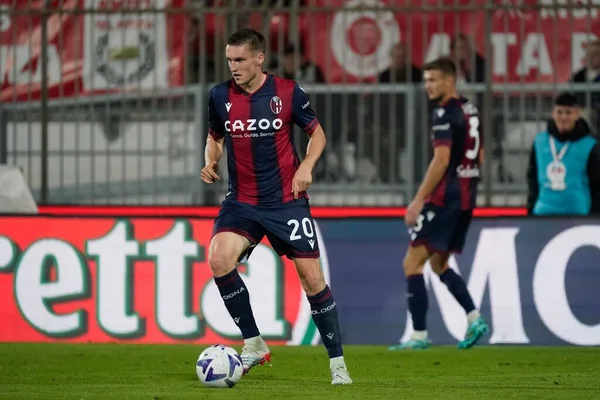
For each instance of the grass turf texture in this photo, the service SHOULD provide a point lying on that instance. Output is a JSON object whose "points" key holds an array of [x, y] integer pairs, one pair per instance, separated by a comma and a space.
{"points": [[86, 371]]}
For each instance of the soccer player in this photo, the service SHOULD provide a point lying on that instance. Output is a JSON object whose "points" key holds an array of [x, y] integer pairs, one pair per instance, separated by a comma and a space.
{"points": [[252, 115], [440, 213]]}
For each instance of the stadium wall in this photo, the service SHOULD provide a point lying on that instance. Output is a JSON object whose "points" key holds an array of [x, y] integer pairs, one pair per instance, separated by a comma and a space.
{"points": [[140, 275]]}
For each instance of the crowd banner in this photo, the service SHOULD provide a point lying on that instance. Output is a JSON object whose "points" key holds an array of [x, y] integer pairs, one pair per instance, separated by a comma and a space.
{"points": [[91, 53], [107, 50], [528, 45]]}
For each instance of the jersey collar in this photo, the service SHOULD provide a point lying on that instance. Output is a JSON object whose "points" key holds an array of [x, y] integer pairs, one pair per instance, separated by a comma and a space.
{"points": [[245, 93]]}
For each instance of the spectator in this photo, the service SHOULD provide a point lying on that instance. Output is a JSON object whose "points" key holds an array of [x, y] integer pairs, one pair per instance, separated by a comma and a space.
{"points": [[564, 165], [303, 71], [590, 73], [471, 65], [399, 70]]}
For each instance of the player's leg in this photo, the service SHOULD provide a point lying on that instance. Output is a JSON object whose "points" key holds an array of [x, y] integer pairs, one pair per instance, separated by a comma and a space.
{"points": [[416, 294], [224, 251], [291, 232], [455, 284], [432, 234], [235, 235], [324, 314], [477, 326]]}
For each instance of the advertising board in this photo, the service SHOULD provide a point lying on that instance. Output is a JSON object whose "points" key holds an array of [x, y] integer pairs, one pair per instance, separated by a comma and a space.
{"points": [[144, 279]]}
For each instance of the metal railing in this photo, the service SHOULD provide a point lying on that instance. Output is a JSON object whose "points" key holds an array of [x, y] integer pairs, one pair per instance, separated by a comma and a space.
{"points": [[148, 150], [146, 146]]}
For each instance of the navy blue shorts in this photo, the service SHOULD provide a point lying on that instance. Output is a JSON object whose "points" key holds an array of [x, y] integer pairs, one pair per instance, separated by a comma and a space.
{"points": [[441, 230], [289, 227]]}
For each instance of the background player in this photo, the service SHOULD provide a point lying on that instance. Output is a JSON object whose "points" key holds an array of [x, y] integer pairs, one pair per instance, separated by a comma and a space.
{"points": [[440, 214], [253, 115]]}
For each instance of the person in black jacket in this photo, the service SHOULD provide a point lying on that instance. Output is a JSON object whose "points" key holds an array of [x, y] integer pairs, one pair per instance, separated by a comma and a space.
{"points": [[565, 141], [590, 73]]}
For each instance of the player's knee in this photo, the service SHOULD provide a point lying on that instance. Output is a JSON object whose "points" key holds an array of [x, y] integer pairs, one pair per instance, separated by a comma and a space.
{"points": [[412, 266], [439, 269], [414, 261], [439, 263], [311, 276], [225, 250], [221, 263]]}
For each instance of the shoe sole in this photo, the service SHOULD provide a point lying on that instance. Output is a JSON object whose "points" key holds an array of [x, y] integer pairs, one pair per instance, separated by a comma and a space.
{"points": [[407, 348], [479, 333], [262, 361], [398, 348], [342, 383]]}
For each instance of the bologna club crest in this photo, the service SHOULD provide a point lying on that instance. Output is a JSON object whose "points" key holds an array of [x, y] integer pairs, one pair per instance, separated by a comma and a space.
{"points": [[276, 105]]}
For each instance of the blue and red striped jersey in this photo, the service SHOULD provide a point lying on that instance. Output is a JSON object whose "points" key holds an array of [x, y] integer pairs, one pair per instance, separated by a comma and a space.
{"points": [[457, 124], [258, 132]]}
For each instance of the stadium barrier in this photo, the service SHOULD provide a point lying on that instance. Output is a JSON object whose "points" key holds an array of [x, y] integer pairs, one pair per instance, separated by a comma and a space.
{"points": [[133, 149], [110, 275], [102, 102]]}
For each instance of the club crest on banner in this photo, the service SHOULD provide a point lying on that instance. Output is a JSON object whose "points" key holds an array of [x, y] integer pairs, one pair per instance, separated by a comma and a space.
{"points": [[125, 50], [143, 55], [361, 40]]}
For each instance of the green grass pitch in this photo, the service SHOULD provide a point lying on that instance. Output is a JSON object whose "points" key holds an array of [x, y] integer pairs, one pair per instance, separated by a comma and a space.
{"points": [[88, 371]]}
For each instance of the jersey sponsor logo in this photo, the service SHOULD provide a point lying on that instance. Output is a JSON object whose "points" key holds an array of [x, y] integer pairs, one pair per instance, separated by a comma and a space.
{"points": [[467, 171], [276, 105], [304, 106], [443, 127], [251, 125], [470, 109]]}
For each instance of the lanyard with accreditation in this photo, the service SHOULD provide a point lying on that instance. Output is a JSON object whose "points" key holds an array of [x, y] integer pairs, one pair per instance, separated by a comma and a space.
{"points": [[556, 170]]}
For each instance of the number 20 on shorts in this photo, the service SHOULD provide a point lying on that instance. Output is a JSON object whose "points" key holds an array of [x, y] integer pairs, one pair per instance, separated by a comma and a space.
{"points": [[307, 228]]}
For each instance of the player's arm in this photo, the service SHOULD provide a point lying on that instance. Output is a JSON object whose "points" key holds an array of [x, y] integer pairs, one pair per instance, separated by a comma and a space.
{"points": [[304, 116], [442, 143], [214, 144], [213, 150], [481, 143], [315, 147]]}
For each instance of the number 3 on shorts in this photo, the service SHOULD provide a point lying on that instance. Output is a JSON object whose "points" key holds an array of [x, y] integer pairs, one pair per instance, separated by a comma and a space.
{"points": [[419, 224], [307, 228]]}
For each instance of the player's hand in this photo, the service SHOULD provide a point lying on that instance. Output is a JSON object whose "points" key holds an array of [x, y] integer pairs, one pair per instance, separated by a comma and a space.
{"points": [[209, 173], [302, 179], [413, 211]]}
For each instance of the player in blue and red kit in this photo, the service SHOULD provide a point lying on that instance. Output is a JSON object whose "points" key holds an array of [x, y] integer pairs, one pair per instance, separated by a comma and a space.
{"points": [[440, 213], [252, 115]]}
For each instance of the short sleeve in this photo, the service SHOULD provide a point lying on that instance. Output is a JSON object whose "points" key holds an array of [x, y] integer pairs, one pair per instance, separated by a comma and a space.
{"points": [[302, 113], [441, 129], [215, 127]]}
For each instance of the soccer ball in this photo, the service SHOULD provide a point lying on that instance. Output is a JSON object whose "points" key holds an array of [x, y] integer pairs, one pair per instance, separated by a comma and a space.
{"points": [[219, 366]]}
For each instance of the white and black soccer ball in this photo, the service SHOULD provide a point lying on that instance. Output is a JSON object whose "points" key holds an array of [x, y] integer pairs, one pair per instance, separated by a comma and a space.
{"points": [[219, 366]]}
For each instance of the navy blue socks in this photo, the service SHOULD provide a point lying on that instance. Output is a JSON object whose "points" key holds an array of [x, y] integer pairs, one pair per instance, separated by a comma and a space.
{"points": [[237, 300], [418, 302], [459, 290], [325, 317]]}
